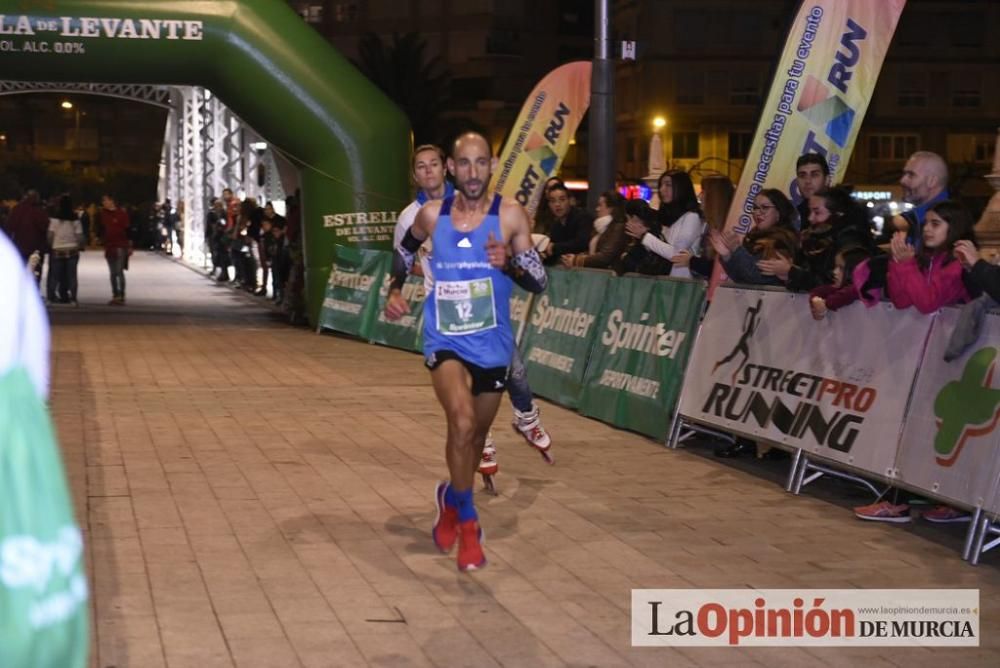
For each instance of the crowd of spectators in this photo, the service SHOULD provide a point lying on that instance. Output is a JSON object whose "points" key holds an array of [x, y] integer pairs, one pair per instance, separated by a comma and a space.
{"points": [[825, 244], [250, 246], [261, 247]]}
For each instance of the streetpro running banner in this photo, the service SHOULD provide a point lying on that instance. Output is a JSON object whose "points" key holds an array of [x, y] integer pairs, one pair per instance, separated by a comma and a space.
{"points": [[837, 388], [951, 443], [560, 333], [351, 294], [540, 138], [819, 96], [646, 332]]}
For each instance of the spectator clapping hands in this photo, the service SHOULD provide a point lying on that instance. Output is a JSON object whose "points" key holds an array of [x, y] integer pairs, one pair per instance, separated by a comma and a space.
{"points": [[635, 227], [724, 242], [899, 248], [779, 267]]}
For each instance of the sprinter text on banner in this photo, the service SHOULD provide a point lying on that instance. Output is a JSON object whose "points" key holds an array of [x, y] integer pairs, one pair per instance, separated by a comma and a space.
{"points": [[352, 291], [640, 352], [560, 333]]}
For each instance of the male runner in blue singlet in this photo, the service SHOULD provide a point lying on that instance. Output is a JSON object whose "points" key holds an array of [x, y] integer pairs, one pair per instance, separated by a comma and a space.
{"points": [[481, 243], [428, 165]]}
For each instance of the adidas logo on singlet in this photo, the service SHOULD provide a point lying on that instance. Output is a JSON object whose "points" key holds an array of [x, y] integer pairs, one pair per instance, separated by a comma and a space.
{"points": [[465, 243]]}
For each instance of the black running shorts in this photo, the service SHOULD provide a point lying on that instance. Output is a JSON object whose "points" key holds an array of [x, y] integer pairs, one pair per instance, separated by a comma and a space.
{"points": [[484, 380]]}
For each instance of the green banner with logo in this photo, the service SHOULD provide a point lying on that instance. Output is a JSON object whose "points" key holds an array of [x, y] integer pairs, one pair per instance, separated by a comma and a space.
{"points": [[646, 332], [559, 334], [352, 291], [407, 332], [520, 308]]}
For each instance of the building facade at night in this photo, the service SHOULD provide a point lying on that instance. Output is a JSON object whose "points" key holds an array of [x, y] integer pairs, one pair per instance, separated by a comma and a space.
{"points": [[706, 65], [494, 50]]}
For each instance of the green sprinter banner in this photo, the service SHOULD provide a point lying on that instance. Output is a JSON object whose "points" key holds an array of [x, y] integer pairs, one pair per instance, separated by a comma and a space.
{"points": [[351, 294], [637, 365], [405, 333], [560, 332]]}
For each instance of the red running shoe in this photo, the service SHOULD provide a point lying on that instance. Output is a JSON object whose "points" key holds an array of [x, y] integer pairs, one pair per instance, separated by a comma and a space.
{"points": [[470, 549], [445, 531]]}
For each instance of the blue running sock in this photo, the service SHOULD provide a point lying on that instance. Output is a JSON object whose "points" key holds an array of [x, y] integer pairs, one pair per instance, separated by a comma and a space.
{"points": [[449, 496], [466, 508]]}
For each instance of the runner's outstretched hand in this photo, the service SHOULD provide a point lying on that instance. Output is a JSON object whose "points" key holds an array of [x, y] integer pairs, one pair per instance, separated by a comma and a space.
{"points": [[496, 252], [395, 306]]}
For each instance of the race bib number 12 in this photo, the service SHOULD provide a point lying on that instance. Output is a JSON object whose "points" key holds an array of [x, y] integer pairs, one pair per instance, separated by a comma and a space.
{"points": [[465, 307]]}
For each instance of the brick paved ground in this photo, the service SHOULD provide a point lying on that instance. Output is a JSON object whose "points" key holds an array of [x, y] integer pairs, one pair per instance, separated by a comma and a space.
{"points": [[257, 495]]}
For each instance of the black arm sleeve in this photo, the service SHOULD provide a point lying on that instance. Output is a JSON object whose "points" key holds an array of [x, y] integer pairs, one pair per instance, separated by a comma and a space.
{"points": [[527, 271], [402, 260]]}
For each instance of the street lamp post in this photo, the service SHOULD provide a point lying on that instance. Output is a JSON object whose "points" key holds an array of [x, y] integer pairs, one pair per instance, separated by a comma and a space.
{"points": [[657, 162], [601, 153], [67, 105]]}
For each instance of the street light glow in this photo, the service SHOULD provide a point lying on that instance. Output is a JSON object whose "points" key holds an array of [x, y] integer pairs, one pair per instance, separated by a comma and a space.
{"points": [[66, 104], [659, 123]]}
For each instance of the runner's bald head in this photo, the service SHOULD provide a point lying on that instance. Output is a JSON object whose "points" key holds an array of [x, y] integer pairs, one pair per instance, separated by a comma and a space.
{"points": [[471, 164], [467, 138]]}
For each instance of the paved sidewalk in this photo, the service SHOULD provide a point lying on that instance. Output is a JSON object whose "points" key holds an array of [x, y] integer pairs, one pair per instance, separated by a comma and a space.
{"points": [[256, 495]]}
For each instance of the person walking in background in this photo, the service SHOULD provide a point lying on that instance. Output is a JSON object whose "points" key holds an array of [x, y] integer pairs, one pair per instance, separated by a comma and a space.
{"points": [[215, 224], [117, 246], [271, 240], [27, 226], [169, 226], [84, 217], [65, 238]]}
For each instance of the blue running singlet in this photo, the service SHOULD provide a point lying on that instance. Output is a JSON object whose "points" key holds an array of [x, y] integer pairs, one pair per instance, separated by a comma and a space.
{"points": [[468, 311]]}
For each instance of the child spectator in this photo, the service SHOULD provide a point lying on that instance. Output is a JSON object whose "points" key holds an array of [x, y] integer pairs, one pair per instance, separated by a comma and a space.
{"points": [[931, 279], [927, 281], [841, 291], [836, 222]]}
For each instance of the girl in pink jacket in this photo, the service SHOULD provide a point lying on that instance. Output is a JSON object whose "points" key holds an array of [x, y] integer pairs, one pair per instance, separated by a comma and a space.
{"points": [[927, 280], [932, 277]]}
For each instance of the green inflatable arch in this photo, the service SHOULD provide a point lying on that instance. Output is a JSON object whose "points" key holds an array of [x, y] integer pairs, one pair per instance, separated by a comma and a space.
{"points": [[349, 141]]}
